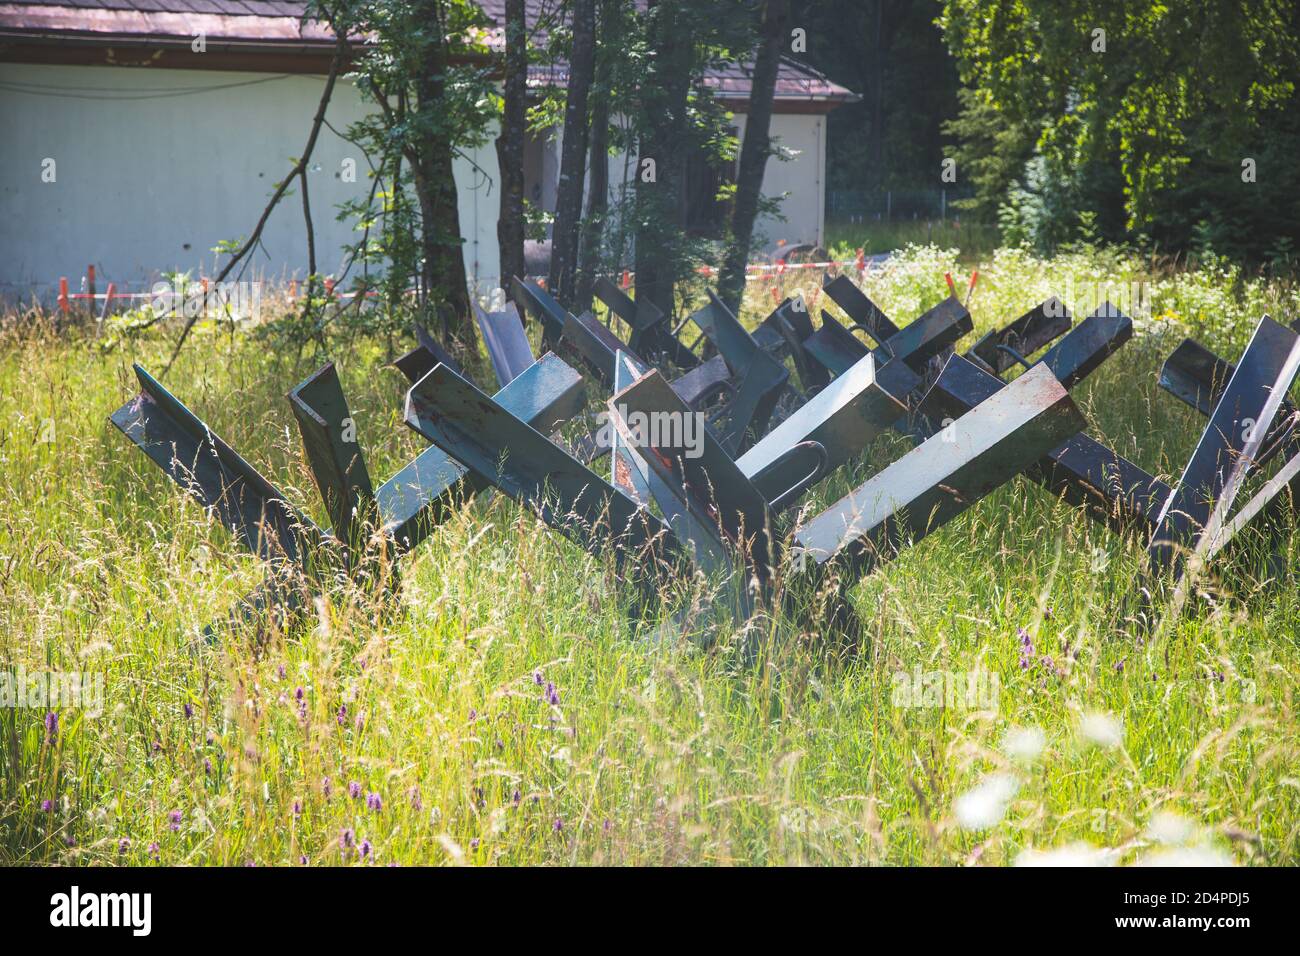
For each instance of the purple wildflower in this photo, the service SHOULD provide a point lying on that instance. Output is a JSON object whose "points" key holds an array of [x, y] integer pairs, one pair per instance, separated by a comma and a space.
{"points": [[552, 695], [175, 818], [122, 846], [279, 672], [473, 714], [354, 789], [364, 849], [298, 694], [343, 713], [297, 808], [473, 843], [414, 794], [326, 788], [207, 765], [302, 860], [47, 806], [346, 838], [51, 725], [516, 797], [537, 678], [189, 710], [558, 825], [374, 801]]}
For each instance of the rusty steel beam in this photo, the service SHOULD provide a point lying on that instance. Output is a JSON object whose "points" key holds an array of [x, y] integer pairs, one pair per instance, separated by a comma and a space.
{"points": [[631, 473], [672, 440], [942, 477]]}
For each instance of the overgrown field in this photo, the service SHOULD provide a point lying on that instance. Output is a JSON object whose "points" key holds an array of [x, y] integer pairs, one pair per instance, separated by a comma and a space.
{"points": [[506, 712]]}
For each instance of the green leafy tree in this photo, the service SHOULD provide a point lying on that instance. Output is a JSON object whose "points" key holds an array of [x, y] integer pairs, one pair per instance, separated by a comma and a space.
{"points": [[1128, 104]]}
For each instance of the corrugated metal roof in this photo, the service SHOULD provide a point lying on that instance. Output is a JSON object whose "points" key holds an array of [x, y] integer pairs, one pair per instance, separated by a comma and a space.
{"points": [[279, 21]]}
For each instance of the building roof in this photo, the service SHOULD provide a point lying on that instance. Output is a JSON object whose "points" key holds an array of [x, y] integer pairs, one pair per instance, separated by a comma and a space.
{"points": [[271, 35]]}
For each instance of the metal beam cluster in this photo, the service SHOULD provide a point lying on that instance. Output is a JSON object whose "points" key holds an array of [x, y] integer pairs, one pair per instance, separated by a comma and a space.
{"points": [[707, 469]]}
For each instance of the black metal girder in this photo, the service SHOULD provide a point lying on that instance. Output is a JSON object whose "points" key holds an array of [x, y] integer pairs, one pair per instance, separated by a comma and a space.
{"points": [[1083, 471], [942, 476], [862, 312], [524, 464], [997, 350], [214, 474], [1230, 444]]}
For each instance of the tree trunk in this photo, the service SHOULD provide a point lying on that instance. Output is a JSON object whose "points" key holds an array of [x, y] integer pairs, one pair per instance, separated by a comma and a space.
{"points": [[593, 226], [573, 156], [664, 94], [443, 273], [510, 144], [754, 152]]}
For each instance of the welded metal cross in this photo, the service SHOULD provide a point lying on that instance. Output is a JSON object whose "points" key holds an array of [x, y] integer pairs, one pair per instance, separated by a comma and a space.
{"points": [[941, 477], [762, 378], [522, 463], [650, 335], [1196, 513], [1082, 471], [403, 509]]}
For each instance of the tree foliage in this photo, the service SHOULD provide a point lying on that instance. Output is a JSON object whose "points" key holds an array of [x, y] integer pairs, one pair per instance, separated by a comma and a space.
{"points": [[1136, 116]]}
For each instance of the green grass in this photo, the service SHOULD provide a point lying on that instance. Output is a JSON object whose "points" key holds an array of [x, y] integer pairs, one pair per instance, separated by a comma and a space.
{"points": [[974, 240], [659, 751]]}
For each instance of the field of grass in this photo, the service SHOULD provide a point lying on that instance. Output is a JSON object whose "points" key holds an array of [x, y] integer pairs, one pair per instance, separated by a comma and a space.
{"points": [[974, 240], [506, 712]]}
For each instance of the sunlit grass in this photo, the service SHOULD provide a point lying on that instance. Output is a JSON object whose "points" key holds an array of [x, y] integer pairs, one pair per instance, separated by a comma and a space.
{"points": [[646, 750]]}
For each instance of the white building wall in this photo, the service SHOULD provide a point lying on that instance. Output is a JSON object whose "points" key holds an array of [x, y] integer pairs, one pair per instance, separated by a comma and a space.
{"points": [[148, 181], [154, 167], [796, 171]]}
